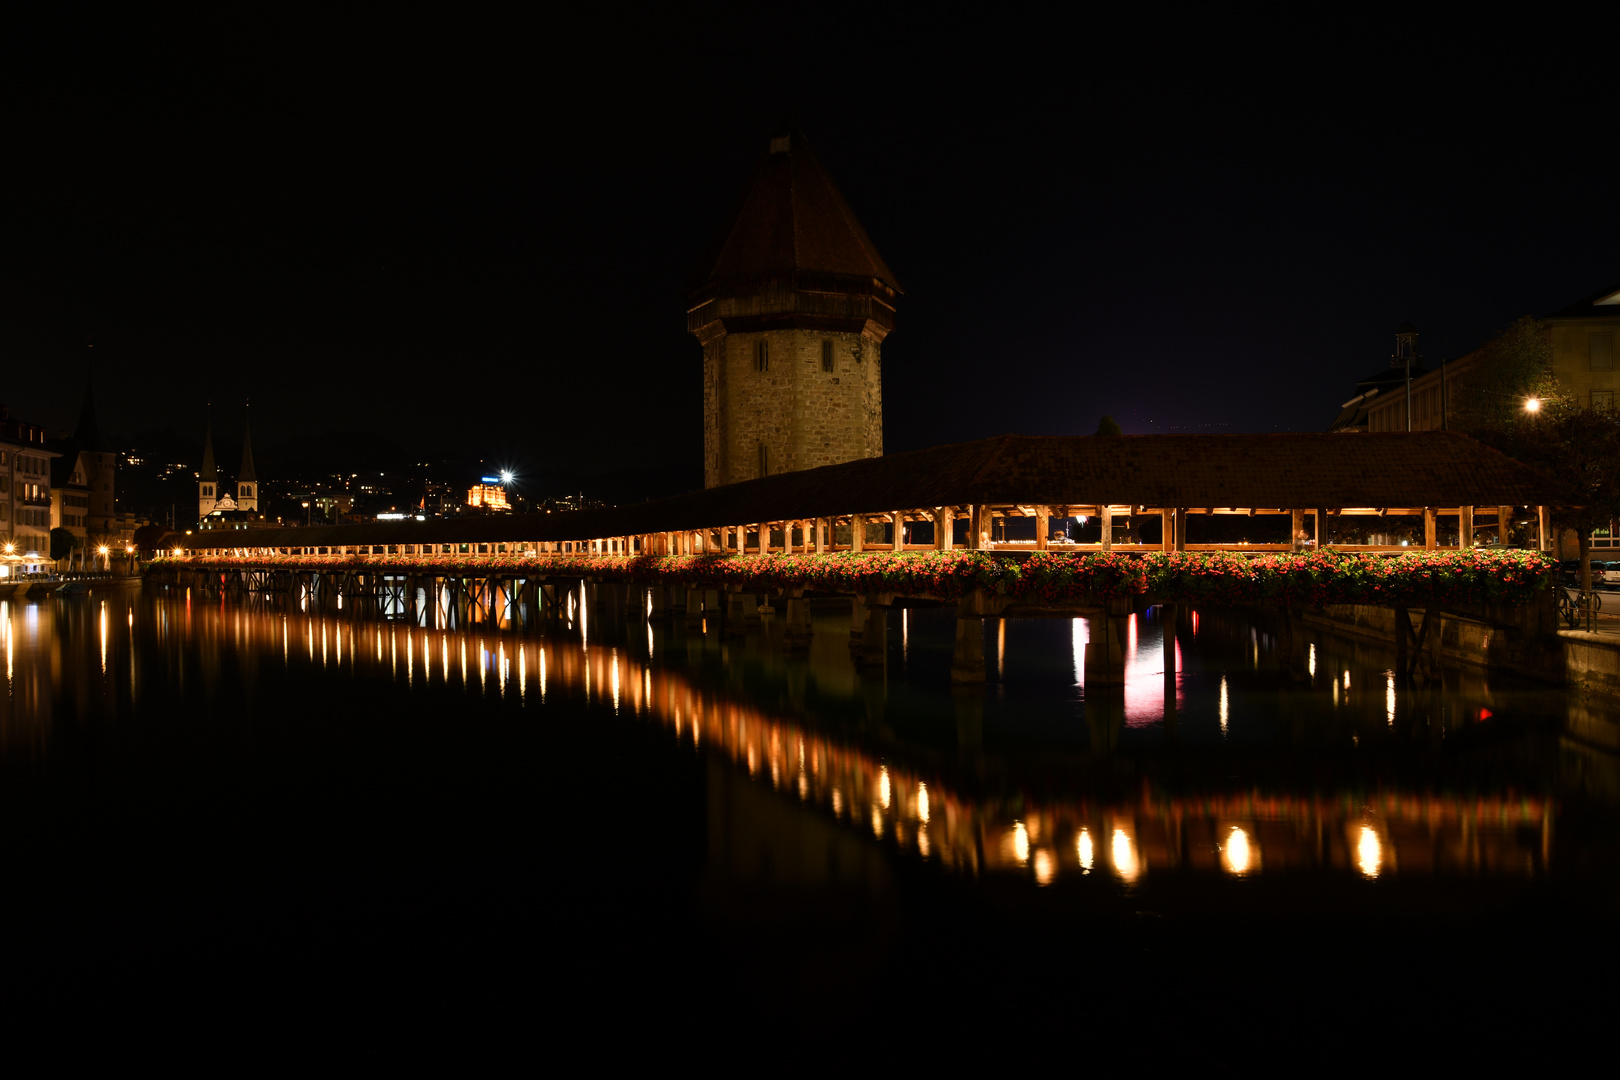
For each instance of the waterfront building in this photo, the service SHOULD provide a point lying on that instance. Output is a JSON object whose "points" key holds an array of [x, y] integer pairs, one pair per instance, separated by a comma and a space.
{"points": [[1582, 337], [83, 483], [791, 305], [25, 495], [1386, 385]]}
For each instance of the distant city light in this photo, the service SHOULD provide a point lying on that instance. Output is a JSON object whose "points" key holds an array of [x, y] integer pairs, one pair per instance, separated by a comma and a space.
{"points": [[506, 476]]}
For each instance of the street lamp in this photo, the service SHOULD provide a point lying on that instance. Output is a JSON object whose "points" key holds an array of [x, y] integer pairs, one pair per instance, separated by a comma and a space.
{"points": [[1533, 405], [307, 512]]}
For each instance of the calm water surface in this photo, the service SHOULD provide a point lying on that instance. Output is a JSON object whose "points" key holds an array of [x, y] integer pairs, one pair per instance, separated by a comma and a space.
{"points": [[245, 805]]}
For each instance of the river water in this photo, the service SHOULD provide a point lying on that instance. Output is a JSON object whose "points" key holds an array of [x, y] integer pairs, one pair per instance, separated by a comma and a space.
{"points": [[248, 807]]}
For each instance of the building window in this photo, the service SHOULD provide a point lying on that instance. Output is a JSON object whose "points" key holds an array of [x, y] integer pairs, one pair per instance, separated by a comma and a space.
{"points": [[826, 354], [762, 355], [1600, 348], [1603, 399]]}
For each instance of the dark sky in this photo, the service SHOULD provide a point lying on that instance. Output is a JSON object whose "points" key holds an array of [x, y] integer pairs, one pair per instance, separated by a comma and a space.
{"points": [[471, 235]]}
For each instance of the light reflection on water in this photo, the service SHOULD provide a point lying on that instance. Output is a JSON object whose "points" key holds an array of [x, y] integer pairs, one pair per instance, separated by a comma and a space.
{"points": [[887, 786]]}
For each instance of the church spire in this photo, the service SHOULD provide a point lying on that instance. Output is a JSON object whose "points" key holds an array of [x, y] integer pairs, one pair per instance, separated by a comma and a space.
{"points": [[209, 472], [88, 433], [208, 476], [245, 473], [247, 484]]}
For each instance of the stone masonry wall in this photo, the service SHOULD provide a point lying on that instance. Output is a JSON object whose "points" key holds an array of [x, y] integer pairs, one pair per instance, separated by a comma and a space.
{"points": [[803, 416]]}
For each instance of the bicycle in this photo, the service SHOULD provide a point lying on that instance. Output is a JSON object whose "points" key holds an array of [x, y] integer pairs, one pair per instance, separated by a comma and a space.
{"points": [[1571, 608]]}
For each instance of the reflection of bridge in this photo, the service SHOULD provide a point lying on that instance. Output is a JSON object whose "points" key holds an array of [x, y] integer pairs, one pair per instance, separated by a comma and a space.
{"points": [[1232, 832]]}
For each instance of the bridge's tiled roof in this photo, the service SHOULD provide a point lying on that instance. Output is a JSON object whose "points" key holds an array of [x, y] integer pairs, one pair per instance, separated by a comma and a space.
{"points": [[1387, 469]]}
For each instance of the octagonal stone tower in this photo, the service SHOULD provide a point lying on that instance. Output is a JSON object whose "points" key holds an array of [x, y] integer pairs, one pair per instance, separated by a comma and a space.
{"points": [[791, 305]]}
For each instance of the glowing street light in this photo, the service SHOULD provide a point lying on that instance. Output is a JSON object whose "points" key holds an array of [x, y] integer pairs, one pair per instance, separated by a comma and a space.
{"points": [[507, 476], [1533, 405]]}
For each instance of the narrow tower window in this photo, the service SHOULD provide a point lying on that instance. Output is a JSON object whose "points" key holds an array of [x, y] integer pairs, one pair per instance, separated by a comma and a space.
{"points": [[762, 355], [826, 354]]}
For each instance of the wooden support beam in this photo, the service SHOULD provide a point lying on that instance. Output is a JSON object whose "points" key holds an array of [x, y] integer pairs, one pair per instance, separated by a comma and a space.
{"points": [[1296, 529], [1043, 526], [899, 537], [857, 532], [1107, 515], [1167, 527], [1465, 527], [944, 527], [1504, 524], [1430, 527]]}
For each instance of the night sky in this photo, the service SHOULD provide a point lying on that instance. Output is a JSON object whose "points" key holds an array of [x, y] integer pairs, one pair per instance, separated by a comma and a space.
{"points": [[470, 238]]}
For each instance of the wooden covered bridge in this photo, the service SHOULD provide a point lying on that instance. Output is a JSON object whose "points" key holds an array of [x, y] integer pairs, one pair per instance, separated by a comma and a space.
{"points": [[966, 495], [455, 570]]}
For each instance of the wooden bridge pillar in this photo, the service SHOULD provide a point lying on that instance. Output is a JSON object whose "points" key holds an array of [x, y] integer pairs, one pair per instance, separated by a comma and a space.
{"points": [[1296, 530], [1105, 652], [822, 526], [694, 609], [796, 635], [967, 662], [870, 648], [1431, 529], [1465, 527], [1168, 614], [944, 526], [1504, 524], [1167, 527], [1043, 526], [736, 616], [899, 537], [1106, 513], [857, 532]]}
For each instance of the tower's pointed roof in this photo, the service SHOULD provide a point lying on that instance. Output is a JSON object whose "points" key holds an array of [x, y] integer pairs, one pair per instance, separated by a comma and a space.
{"points": [[88, 433], [246, 471], [791, 217], [209, 472]]}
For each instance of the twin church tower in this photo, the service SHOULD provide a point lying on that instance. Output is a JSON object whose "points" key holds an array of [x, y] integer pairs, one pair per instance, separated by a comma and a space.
{"points": [[215, 498], [791, 305]]}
